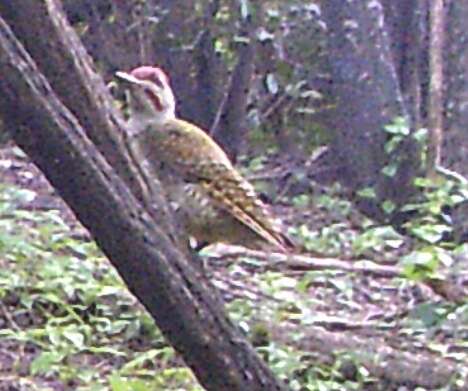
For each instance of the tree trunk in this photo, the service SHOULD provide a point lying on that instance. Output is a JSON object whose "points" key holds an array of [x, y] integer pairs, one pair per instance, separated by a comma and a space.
{"points": [[229, 128], [141, 247], [436, 105], [455, 152], [407, 26], [210, 72], [456, 140], [57, 50], [366, 85]]}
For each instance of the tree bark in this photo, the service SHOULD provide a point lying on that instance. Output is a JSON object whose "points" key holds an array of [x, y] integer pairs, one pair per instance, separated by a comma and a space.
{"points": [[149, 260], [229, 128], [210, 71], [407, 26], [56, 48], [455, 154], [455, 151], [365, 83], [112, 34], [436, 105]]}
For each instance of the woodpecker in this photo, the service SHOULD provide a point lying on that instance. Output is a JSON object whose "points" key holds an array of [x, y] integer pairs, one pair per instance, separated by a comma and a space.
{"points": [[209, 196]]}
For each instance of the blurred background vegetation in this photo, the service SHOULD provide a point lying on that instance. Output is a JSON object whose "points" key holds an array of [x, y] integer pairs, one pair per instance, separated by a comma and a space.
{"points": [[350, 118]]}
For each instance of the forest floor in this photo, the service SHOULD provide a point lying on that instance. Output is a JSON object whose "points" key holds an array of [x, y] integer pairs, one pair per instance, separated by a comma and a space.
{"points": [[352, 309]]}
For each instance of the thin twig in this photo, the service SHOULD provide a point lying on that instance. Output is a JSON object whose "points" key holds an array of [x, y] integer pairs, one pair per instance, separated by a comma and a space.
{"points": [[8, 317]]}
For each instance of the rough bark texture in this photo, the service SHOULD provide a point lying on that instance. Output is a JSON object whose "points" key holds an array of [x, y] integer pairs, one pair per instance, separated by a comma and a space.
{"points": [[407, 25], [229, 129], [170, 286], [210, 70], [117, 44], [57, 50], [455, 151], [366, 85], [456, 137], [436, 104]]}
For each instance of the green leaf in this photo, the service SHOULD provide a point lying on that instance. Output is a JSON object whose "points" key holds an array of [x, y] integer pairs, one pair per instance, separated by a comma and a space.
{"points": [[264, 35], [368, 192], [245, 8], [390, 170], [164, 354], [376, 239], [399, 127], [422, 182], [431, 233], [420, 135], [392, 144], [45, 362], [444, 257], [314, 94], [257, 163], [388, 206], [418, 265], [301, 200], [241, 39], [272, 83], [75, 337], [119, 384]]}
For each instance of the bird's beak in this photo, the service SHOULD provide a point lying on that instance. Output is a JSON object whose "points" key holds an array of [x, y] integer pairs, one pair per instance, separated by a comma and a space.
{"points": [[129, 78]]}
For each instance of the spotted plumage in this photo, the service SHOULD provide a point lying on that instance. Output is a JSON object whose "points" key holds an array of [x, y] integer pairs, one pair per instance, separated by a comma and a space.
{"points": [[211, 198]]}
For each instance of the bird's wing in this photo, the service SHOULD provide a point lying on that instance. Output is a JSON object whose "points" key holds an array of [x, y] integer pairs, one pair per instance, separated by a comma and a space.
{"points": [[194, 156], [232, 193]]}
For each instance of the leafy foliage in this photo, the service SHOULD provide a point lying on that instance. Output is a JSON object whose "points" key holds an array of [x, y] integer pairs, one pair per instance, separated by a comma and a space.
{"points": [[69, 317], [66, 315], [61, 298]]}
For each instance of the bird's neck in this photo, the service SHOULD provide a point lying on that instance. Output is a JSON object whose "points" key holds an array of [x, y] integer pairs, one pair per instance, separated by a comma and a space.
{"points": [[139, 121]]}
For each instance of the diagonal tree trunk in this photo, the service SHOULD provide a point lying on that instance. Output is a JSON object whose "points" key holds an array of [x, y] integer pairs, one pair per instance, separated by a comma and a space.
{"points": [[58, 52], [141, 247]]}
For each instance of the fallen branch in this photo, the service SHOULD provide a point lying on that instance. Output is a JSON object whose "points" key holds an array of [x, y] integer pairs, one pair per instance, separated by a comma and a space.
{"points": [[299, 262], [450, 290], [393, 366]]}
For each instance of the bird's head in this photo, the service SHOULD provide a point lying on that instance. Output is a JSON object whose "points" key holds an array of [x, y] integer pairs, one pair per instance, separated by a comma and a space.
{"points": [[152, 99]]}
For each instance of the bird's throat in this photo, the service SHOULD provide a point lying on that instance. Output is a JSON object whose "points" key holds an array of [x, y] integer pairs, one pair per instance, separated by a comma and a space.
{"points": [[140, 120]]}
